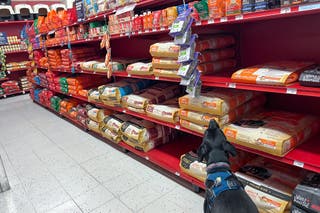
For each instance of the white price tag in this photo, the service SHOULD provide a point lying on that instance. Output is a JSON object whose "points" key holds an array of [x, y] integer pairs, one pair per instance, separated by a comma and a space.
{"points": [[291, 91], [94, 72], [239, 17], [285, 10], [223, 19], [298, 164], [70, 95], [162, 28], [129, 75], [147, 30], [154, 30], [81, 71], [198, 23], [309, 7], [139, 32], [9, 72], [124, 111], [211, 21], [177, 127], [133, 33], [23, 92], [232, 85], [121, 34], [146, 157], [177, 173], [156, 78], [51, 32]]}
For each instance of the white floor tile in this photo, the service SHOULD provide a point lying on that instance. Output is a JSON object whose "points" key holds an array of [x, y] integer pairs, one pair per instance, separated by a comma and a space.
{"points": [[49, 200], [80, 185], [113, 206], [68, 207], [93, 198], [162, 205], [70, 174]]}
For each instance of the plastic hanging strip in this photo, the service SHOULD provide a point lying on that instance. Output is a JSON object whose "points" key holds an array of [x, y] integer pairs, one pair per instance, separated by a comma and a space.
{"points": [[73, 69]]}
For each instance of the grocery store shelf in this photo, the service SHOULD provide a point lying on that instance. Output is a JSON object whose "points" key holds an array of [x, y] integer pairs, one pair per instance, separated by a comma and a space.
{"points": [[166, 156], [17, 70], [4, 79], [6, 22], [40, 67], [79, 71], [295, 157], [151, 77], [16, 52], [14, 43], [14, 93], [80, 41]]}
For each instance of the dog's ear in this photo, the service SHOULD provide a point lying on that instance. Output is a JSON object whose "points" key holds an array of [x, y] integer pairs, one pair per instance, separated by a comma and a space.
{"points": [[229, 148], [202, 151]]}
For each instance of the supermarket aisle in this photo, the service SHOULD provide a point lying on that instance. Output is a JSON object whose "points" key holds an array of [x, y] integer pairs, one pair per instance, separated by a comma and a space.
{"points": [[55, 167]]}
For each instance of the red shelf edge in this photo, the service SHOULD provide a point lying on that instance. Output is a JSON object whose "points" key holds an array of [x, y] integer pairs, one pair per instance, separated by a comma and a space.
{"points": [[177, 126]]}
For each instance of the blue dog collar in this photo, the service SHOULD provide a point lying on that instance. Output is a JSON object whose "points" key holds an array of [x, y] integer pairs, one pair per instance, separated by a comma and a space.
{"points": [[221, 182]]}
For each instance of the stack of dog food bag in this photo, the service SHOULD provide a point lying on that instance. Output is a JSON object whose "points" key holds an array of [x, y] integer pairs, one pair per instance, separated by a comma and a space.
{"points": [[96, 117], [55, 103], [54, 59], [10, 87], [222, 105], [144, 135], [111, 94], [140, 68], [81, 116], [111, 126], [69, 57], [25, 84], [43, 79], [100, 66], [50, 78], [167, 111], [310, 77], [273, 132], [155, 94], [67, 104], [45, 97]]}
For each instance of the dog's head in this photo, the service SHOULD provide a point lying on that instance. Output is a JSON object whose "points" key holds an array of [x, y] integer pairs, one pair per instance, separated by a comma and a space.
{"points": [[215, 147]]}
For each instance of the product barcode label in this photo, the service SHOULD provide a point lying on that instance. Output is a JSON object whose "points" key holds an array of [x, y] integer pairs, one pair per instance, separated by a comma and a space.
{"points": [[239, 17], [298, 163], [285, 10], [198, 23], [210, 21], [291, 91], [223, 19], [232, 85]]}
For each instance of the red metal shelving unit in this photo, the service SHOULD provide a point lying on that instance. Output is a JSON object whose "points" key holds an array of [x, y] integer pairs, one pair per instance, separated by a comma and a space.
{"points": [[16, 52]]}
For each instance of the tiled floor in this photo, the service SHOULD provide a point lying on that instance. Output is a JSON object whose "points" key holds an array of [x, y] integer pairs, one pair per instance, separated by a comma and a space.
{"points": [[55, 167]]}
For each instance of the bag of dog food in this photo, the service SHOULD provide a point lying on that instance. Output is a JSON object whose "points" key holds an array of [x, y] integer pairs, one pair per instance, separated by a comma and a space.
{"points": [[163, 63], [270, 184], [94, 95], [153, 95], [192, 126], [190, 165], [97, 114], [168, 111], [310, 78], [140, 68], [166, 73], [88, 65], [165, 50], [217, 66], [115, 121], [140, 131], [216, 55], [93, 125], [273, 132], [216, 101], [110, 134], [273, 73], [215, 42], [204, 118]]}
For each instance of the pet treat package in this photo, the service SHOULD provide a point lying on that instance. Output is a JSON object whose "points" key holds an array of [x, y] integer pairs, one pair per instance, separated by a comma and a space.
{"points": [[310, 78], [165, 50], [273, 73], [163, 63], [167, 111], [140, 68], [269, 183], [111, 94], [204, 118], [155, 94], [216, 101], [306, 195], [273, 132]]}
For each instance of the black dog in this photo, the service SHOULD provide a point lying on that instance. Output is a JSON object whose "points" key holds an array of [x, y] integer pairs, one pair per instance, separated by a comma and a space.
{"points": [[224, 192]]}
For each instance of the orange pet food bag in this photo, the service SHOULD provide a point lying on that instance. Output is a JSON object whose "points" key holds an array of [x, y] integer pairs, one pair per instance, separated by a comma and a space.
{"points": [[216, 8]]}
